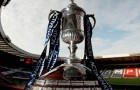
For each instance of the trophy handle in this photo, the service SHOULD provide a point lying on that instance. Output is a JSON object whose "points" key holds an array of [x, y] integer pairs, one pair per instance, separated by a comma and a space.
{"points": [[51, 12], [92, 16], [4, 2]]}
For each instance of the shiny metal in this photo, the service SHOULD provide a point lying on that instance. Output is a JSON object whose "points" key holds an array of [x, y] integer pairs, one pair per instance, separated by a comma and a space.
{"points": [[65, 85], [72, 34], [4, 2], [72, 1], [72, 17], [72, 29], [75, 71]]}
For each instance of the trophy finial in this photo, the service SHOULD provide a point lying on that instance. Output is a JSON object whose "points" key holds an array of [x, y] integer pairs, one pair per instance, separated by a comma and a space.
{"points": [[72, 1]]}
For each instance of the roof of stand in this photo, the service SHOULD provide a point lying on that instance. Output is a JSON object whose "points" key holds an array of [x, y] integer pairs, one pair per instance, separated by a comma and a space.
{"points": [[7, 46], [119, 60]]}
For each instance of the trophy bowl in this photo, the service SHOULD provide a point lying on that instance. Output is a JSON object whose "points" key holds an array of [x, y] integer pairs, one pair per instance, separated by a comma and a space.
{"points": [[72, 36]]}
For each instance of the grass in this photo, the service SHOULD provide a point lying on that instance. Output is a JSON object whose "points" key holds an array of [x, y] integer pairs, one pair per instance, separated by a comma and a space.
{"points": [[124, 81]]}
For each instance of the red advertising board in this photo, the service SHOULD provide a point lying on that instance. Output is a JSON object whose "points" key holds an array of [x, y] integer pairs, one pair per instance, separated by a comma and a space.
{"points": [[138, 70], [129, 72]]}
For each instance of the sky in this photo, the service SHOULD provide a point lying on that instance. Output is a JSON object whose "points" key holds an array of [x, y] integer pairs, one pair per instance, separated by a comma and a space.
{"points": [[117, 29]]}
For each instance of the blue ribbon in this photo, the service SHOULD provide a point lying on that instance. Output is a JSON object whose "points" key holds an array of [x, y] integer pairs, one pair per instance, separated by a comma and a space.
{"points": [[52, 32], [54, 48], [88, 55]]}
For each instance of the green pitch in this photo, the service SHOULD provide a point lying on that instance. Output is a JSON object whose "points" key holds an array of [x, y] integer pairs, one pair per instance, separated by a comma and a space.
{"points": [[124, 81]]}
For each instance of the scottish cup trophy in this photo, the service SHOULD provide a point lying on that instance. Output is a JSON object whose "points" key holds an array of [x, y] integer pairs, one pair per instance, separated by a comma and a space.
{"points": [[73, 25], [72, 34]]}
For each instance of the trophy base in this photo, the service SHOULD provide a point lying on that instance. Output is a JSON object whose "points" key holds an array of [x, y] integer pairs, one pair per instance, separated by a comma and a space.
{"points": [[74, 71], [65, 85], [71, 69], [67, 77]]}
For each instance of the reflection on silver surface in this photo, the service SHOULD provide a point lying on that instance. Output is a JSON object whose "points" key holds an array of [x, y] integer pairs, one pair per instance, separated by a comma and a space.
{"points": [[72, 34], [72, 31]]}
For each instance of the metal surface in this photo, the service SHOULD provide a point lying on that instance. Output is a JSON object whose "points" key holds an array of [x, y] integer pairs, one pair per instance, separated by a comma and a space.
{"points": [[65, 85], [72, 31], [72, 34], [75, 71]]}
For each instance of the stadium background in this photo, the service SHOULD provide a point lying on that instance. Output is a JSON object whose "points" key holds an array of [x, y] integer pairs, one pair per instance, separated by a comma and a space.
{"points": [[122, 72]]}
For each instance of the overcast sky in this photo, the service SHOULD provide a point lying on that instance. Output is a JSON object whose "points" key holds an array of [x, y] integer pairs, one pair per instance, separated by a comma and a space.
{"points": [[117, 30]]}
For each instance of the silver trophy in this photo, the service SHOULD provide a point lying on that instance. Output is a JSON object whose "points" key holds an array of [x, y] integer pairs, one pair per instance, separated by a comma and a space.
{"points": [[72, 72], [72, 33]]}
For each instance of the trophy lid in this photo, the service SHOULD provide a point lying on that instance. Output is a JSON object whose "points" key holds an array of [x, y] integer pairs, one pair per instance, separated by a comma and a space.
{"points": [[73, 8]]}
